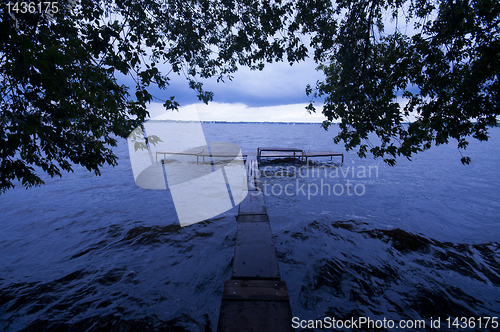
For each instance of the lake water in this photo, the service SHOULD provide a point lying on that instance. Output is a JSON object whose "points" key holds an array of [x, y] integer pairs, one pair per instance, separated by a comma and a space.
{"points": [[416, 241]]}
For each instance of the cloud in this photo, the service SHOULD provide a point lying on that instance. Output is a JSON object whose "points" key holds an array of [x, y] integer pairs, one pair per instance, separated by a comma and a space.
{"points": [[238, 112], [277, 84], [275, 94]]}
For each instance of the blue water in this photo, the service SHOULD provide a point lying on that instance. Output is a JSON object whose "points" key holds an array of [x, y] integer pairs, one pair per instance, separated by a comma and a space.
{"points": [[87, 253]]}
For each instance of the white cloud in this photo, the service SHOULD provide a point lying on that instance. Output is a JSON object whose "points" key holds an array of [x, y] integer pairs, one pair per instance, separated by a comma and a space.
{"points": [[236, 113]]}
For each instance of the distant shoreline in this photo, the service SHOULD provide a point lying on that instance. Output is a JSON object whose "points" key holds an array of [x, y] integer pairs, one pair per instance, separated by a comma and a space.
{"points": [[233, 122], [259, 122], [244, 122]]}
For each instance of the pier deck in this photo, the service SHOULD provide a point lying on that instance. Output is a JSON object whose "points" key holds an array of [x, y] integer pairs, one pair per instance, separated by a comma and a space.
{"points": [[278, 152], [295, 152], [255, 298], [272, 152], [330, 154]]}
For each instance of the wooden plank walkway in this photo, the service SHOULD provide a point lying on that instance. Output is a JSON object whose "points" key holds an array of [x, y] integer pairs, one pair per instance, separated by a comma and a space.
{"points": [[254, 299]]}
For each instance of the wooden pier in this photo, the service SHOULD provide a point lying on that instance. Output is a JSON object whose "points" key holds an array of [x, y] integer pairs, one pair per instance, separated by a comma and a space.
{"points": [[274, 152], [255, 298], [331, 154]]}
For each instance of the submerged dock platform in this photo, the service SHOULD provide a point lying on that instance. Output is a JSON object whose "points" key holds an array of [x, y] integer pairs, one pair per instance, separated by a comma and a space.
{"points": [[275, 152], [255, 298]]}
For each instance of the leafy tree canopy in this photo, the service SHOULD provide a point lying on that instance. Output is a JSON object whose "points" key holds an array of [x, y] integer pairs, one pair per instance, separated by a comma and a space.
{"points": [[63, 105], [61, 102], [441, 65]]}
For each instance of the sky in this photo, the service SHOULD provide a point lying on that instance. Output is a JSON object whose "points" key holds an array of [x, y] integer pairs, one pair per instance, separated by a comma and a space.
{"points": [[275, 94]]}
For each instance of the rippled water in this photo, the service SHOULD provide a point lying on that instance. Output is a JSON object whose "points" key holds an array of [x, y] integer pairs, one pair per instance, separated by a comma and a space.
{"points": [[99, 253]]}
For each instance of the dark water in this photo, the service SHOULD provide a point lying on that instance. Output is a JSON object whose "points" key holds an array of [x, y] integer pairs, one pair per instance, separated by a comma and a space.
{"points": [[415, 241]]}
